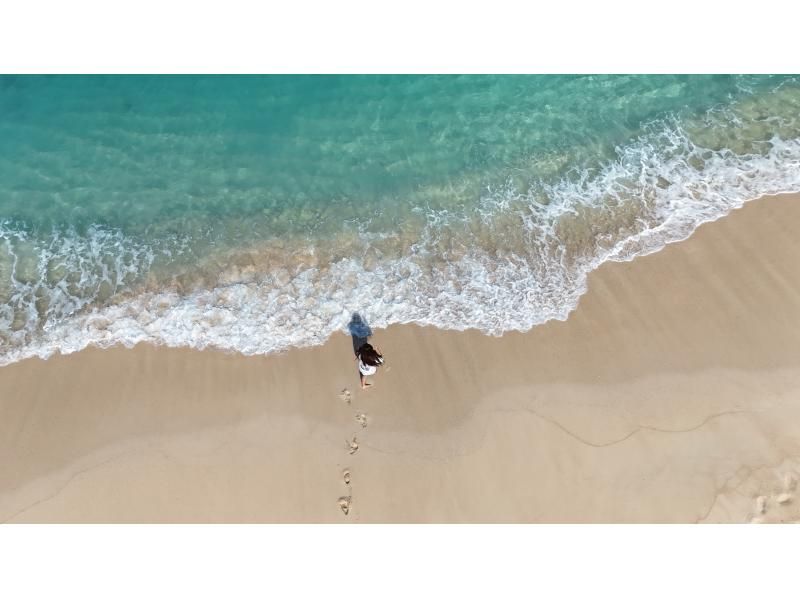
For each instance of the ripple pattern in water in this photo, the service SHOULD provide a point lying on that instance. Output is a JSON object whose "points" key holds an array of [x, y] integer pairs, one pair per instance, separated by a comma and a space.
{"points": [[257, 213]]}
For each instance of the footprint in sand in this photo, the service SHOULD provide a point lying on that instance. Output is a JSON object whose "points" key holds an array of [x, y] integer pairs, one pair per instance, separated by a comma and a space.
{"points": [[345, 395], [344, 504], [353, 445], [777, 506], [346, 476], [761, 505], [361, 418]]}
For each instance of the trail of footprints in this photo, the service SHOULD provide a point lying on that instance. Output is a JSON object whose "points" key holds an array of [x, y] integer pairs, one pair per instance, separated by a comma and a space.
{"points": [[345, 502], [773, 507]]}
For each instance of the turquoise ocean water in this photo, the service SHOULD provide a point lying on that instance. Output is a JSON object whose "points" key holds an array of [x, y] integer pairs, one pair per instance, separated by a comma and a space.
{"points": [[258, 213]]}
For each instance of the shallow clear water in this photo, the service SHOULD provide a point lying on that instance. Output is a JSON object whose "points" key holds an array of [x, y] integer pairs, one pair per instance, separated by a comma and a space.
{"points": [[258, 213]]}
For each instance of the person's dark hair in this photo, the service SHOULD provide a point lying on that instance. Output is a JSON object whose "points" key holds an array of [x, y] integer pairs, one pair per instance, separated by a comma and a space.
{"points": [[369, 356]]}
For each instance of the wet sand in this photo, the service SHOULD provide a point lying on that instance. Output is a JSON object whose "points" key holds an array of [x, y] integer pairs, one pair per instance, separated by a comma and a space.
{"points": [[672, 394]]}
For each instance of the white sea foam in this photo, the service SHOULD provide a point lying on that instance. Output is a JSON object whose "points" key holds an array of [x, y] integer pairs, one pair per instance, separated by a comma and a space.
{"points": [[532, 269], [45, 282]]}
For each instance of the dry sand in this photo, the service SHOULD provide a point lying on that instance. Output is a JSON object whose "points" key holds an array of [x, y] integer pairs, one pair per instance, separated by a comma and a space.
{"points": [[672, 394]]}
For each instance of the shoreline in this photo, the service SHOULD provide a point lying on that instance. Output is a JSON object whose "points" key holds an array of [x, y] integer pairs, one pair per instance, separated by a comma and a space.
{"points": [[667, 395]]}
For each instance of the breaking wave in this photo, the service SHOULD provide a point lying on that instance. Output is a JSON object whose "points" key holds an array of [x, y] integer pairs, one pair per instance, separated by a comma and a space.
{"points": [[518, 257]]}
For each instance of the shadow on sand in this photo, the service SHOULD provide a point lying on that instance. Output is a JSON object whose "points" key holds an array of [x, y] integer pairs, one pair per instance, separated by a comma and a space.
{"points": [[359, 330]]}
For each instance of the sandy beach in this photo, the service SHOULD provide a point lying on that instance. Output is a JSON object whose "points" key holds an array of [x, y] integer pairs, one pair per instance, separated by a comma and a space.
{"points": [[672, 394]]}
